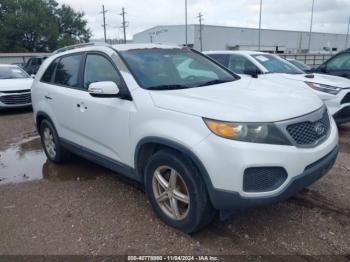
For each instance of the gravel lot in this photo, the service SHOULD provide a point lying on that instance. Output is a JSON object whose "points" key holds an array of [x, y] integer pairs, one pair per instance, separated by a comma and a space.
{"points": [[81, 208]]}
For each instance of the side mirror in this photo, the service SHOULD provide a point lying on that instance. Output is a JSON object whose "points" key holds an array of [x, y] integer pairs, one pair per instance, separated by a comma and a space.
{"points": [[252, 71], [103, 89], [32, 76]]}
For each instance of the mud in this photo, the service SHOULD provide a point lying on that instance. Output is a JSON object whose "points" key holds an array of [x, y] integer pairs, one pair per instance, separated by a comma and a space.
{"points": [[82, 208]]}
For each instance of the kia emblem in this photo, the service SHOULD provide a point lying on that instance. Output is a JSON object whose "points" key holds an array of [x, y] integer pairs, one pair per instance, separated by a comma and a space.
{"points": [[320, 129]]}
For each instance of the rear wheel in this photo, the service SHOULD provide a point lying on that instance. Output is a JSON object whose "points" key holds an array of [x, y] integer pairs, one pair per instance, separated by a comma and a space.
{"points": [[51, 143], [177, 192]]}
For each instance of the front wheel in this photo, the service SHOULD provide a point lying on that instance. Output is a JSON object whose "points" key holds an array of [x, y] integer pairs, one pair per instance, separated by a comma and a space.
{"points": [[177, 192]]}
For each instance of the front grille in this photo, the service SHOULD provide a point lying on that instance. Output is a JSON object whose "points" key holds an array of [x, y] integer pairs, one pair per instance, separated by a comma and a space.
{"points": [[308, 133], [16, 99], [346, 99], [17, 91], [263, 179]]}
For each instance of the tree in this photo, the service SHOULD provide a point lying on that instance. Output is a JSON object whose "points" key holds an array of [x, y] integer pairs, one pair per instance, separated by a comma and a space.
{"points": [[39, 25], [72, 26]]}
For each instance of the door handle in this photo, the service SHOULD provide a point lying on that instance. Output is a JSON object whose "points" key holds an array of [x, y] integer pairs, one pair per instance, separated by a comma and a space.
{"points": [[48, 97]]}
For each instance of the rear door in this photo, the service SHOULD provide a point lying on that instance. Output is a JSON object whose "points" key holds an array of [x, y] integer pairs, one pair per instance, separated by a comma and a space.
{"points": [[63, 95]]}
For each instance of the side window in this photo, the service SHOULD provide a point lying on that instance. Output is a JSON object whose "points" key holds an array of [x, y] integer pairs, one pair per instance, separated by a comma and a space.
{"points": [[36, 61], [97, 69], [47, 76], [222, 59], [240, 64], [340, 62], [29, 62], [67, 71]]}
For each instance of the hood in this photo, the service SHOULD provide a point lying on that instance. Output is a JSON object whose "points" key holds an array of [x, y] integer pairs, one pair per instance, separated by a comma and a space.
{"points": [[15, 84], [321, 79], [244, 100]]}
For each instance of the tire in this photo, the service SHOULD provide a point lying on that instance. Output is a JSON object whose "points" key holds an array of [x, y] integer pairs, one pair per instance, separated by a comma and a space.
{"points": [[189, 194], [51, 143]]}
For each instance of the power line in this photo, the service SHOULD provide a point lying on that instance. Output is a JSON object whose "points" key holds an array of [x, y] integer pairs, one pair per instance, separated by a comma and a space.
{"points": [[312, 18], [124, 24], [104, 21], [186, 24], [259, 42], [347, 35], [200, 18]]}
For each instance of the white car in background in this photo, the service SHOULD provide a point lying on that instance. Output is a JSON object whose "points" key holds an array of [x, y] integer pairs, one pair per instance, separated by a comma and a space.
{"points": [[15, 85], [333, 90]]}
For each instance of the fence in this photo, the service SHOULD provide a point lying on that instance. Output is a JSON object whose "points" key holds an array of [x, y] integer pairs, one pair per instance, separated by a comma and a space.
{"points": [[18, 58], [309, 59]]}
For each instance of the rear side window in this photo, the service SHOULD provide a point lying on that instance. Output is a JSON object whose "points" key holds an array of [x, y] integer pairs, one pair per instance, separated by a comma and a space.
{"points": [[48, 75], [220, 58], [67, 71], [97, 69], [239, 64]]}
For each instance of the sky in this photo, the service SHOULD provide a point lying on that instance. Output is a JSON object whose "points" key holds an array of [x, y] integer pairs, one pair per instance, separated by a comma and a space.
{"points": [[330, 16]]}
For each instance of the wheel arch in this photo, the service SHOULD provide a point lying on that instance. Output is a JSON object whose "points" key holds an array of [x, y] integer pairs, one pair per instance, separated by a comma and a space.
{"points": [[149, 145], [40, 116]]}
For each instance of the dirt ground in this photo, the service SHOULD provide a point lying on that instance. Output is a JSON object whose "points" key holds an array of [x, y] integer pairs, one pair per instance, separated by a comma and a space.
{"points": [[81, 208]]}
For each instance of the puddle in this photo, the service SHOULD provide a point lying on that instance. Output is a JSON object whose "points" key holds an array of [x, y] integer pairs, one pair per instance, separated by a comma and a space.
{"points": [[26, 161]]}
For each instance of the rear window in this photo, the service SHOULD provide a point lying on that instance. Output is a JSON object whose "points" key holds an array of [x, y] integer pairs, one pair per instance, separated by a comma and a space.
{"points": [[67, 71]]}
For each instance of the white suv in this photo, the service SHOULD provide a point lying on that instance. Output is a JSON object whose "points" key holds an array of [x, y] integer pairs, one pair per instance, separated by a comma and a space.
{"points": [[333, 90], [200, 141]]}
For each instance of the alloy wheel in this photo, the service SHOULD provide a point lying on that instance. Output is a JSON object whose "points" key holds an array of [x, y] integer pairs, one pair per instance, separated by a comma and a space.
{"points": [[49, 142], [171, 193]]}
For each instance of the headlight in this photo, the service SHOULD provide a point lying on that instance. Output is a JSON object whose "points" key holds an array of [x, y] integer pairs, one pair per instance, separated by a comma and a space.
{"points": [[324, 88], [265, 133]]}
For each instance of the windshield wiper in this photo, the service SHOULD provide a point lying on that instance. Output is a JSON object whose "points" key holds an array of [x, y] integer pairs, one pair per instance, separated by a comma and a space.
{"points": [[215, 82], [167, 87]]}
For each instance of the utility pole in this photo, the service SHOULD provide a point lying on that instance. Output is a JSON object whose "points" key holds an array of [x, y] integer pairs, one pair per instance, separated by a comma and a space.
{"points": [[104, 21], [312, 18], [124, 24], [186, 25], [259, 42], [200, 30], [347, 35]]}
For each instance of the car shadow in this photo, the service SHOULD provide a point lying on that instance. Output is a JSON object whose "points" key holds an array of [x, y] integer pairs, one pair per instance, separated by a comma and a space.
{"points": [[14, 111]]}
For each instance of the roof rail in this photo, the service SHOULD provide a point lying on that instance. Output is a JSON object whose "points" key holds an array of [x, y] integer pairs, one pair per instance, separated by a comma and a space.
{"points": [[71, 47]]}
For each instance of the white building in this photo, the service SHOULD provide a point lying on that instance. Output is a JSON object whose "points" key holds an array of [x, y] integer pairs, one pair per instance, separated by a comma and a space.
{"points": [[223, 38]]}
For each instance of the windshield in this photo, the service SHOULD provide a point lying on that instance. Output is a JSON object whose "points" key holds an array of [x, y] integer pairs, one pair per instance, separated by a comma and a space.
{"points": [[274, 64], [161, 69], [12, 72], [300, 65]]}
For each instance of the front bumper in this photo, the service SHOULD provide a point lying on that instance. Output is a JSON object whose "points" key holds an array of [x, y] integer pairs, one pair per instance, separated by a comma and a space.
{"points": [[225, 162], [225, 200]]}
